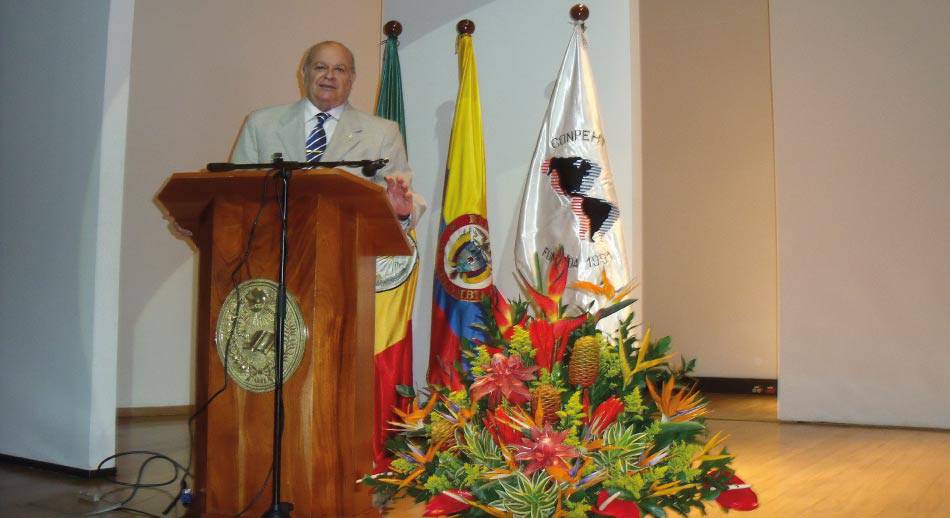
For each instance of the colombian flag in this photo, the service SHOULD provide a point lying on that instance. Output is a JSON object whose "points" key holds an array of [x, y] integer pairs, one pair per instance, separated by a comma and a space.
{"points": [[463, 272], [395, 285]]}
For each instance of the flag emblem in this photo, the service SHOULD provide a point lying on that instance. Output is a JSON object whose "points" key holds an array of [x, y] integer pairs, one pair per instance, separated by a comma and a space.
{"points": [[465, 257], [393, 271], [572, 178]]}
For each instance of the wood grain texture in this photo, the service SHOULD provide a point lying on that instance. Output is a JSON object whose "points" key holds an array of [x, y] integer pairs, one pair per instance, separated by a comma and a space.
{"points": [[338, 224]]}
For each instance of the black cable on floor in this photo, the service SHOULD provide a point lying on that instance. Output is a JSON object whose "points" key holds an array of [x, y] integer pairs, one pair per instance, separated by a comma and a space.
{"points": [[186, 469]]}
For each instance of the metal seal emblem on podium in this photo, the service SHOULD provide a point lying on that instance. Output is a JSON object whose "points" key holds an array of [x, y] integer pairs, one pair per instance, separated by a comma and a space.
{"points": [[393, 270], [251, 354]]}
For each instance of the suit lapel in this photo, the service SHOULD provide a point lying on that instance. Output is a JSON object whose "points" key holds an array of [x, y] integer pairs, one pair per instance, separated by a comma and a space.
{"points": [[291, 133], [345, 137]]}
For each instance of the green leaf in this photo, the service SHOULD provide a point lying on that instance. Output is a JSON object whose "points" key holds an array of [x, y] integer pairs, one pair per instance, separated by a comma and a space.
{"points": [[406, 391], [662, 346], [653, 509], [610, 310]]}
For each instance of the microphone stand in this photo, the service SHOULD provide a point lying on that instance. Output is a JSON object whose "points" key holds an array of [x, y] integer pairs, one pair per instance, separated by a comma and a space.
{"points": [[284, 171]]}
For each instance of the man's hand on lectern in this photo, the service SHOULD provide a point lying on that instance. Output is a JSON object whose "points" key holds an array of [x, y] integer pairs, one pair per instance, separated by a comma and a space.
{"points": [[399, 196]]}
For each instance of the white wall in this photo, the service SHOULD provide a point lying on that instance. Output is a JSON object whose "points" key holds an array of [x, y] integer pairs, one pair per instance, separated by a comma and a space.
{"points": [[709, 274], [197, 69], [61, 112], [862, 119], [519, 46]]}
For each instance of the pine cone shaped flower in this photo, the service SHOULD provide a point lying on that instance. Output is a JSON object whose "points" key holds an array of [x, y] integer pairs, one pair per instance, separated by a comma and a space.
{"points": [[443, 430], [549, 397], [585, 361]]}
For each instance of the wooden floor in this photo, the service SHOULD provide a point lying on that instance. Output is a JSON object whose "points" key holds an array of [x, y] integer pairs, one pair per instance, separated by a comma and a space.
{"points": [[798, 470]]}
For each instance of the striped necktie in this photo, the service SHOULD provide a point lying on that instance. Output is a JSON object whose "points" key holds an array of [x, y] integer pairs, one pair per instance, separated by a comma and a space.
{"points": [[317, 140]]}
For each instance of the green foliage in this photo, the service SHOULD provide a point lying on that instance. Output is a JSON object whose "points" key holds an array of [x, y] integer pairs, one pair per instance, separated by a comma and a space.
{"points": [[630, 484], [523, 497], [631, 456], [478, 445], [577, 509], [437, 484], [481, 361], [623, 446], [401, 465], [521, 344], [573, 412], [633, 405], [406, 391], [680, 460]]}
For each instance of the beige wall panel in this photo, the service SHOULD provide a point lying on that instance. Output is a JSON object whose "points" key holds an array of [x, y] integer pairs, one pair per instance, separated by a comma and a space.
{"points": [[709, 259], [862, 120], [197, 69]]}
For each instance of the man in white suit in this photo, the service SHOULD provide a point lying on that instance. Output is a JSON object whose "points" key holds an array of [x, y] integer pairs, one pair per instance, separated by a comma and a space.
{"points": [[328, 74]]}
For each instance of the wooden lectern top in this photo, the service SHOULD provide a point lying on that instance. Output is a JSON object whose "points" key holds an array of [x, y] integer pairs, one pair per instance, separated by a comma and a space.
{"points": [[185, 196]]}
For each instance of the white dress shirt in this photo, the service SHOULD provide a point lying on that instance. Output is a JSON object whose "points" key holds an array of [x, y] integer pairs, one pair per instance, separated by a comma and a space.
{"points": [[310, 120]]}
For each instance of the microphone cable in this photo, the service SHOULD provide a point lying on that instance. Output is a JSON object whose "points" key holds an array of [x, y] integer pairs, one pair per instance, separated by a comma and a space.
{"points": [[185, 494]]}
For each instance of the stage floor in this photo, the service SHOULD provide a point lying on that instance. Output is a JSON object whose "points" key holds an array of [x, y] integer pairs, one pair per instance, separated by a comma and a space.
{"points": [[796, 469]]}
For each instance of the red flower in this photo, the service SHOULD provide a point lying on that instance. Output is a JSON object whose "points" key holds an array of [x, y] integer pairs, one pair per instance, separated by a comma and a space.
{"points": [[605, 414], [615, 506], [545, 448], [505, 377], [497, 426], [562, 331], [548, 301], [550, 339], [739, 496], [557, 274], [448, 502], [542, 338], [501, 309]]}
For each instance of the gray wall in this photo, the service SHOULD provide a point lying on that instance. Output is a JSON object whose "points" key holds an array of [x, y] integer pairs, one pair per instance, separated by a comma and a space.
{"points": [[52, 75]]}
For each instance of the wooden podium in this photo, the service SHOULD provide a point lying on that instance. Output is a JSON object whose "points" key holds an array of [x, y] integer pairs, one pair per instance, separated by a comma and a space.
{"points": [[338, 224]]}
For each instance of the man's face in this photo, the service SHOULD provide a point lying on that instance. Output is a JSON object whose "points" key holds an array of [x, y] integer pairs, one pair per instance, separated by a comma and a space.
{"points": [[328, 76]]}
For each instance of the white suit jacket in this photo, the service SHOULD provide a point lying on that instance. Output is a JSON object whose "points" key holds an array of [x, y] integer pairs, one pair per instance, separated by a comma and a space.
{"points": [[357, 136]]}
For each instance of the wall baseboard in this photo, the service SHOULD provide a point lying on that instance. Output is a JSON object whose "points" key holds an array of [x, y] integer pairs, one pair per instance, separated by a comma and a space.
{"points": [[714, 385], [59, 468], [155, 411]]}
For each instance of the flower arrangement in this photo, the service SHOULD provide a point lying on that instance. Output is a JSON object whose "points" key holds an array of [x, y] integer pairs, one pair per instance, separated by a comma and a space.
{"points": [[559, 419]]}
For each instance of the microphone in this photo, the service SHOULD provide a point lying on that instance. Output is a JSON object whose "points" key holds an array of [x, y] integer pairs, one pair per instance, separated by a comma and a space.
{"points": [[220, 167], [371, 166]]}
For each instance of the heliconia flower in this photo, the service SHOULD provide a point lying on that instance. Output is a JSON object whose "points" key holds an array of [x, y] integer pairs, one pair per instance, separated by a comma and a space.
{"points": [[605, 414], [550, 339], [547, 299], [611, 505], [739, 496], [557, 274], [542, 337], [546, 306], [450, 501], [562, 331], [504, 318], [505, 377], [497, 425], [545, 448]]}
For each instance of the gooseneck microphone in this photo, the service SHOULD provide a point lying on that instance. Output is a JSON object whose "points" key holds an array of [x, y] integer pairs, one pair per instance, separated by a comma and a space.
{"points": [[367, 167]]}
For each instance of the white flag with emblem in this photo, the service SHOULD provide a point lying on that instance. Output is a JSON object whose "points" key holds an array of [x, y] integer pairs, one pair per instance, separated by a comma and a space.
{"points": [[569, 198]]}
